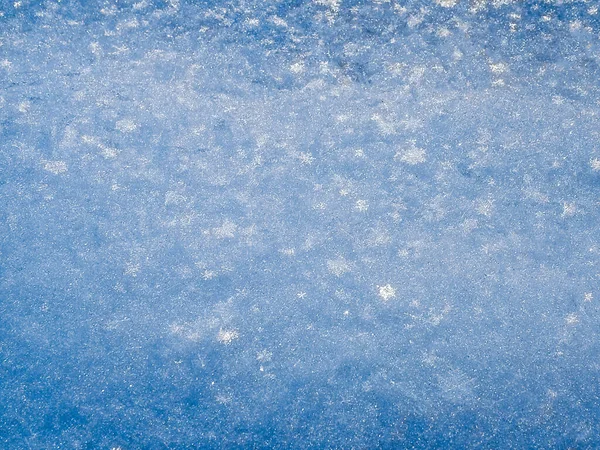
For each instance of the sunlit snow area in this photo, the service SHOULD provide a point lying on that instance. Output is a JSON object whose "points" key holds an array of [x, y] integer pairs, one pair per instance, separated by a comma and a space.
{"points": [[299, 224]]}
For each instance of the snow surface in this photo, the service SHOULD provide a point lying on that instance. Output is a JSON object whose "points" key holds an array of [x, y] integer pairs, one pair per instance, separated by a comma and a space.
{"points": [[299, 224]]}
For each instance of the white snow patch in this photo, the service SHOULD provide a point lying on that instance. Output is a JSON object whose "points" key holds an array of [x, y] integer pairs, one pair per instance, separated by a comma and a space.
{"points": [[55, 167], [387, 292], [227, 336]]}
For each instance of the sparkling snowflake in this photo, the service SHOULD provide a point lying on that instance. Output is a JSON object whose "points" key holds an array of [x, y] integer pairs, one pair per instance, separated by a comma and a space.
{"points": [[227, 336], [387, 292]]}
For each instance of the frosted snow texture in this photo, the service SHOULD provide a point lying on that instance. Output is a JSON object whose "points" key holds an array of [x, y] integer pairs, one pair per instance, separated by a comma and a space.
{"points": [[299, 224]]}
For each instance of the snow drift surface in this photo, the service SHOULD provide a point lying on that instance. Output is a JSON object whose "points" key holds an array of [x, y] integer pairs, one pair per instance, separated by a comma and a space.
{"points": [[295, 224]]}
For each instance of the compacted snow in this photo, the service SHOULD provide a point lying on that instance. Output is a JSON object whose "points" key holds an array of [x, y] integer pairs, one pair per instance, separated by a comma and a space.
{"points": [[299, 224]]}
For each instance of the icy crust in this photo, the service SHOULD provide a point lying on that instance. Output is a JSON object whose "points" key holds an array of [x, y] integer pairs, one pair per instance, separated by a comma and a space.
{"points": [[310, 224]]}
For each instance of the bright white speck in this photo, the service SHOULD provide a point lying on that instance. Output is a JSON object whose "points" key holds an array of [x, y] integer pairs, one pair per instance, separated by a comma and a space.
{"points": [[264, 355], [411, 155], [24, 107], [227, 336], [498, 68], [126, 125], [361, 205], [387, 292], [208, 274], [226, 230], [572, 319], [306, 158], [447, 3], [297, 68], [55, 167], [338, 266], [569, 209]]}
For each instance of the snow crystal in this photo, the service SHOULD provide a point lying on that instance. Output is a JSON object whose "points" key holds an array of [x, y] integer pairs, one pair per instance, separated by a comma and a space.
{"points": [[55, 167], [387, 292]]}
